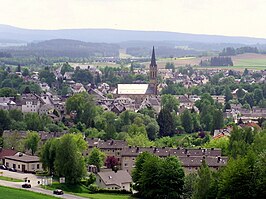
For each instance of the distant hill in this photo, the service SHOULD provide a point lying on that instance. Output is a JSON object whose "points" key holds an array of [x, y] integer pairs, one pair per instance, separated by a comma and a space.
{"points": [[65, 48], [117, 36]]}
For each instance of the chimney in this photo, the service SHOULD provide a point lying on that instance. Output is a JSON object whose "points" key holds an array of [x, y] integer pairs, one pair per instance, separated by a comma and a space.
{"points": [[185, 151]]}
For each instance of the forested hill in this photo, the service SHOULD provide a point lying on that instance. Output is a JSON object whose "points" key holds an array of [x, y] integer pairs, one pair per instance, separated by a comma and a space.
{"points": [[65, 48], [116, 36]]}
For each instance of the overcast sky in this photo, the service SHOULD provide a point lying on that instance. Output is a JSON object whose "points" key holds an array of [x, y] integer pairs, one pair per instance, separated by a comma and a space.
{"points": [[220, 17]]}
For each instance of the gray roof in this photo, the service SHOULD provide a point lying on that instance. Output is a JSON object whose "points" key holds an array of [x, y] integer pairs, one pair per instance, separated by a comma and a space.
{"points": [[165, 151], [23, 158], [197, 161], [115, 178], [112, 144]]}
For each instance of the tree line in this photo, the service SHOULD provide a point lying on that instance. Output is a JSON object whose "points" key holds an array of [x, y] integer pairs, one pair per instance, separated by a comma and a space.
{"points": [[230, 51], [217, 61]]}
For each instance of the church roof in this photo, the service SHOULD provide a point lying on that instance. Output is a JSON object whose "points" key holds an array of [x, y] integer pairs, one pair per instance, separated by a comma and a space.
{"points": [[135, 89]]}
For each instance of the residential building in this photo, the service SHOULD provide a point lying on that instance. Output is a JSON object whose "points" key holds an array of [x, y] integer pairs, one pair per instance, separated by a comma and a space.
{"points": [[120, 180], [24, 163]]}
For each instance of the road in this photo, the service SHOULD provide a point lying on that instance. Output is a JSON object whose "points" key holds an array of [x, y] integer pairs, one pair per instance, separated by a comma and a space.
{"points": [[34, 182]]}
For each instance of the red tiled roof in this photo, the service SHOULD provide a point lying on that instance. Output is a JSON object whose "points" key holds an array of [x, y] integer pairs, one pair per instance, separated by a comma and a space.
{"points": [[7, 152]]}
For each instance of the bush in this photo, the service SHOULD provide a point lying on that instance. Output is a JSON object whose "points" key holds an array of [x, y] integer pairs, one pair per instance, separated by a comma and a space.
{"points": [[93, 188]]}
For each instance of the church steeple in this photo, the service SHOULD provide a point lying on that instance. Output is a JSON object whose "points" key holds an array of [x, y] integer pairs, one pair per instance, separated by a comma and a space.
{"points": [[153, 59], [153, 73]]}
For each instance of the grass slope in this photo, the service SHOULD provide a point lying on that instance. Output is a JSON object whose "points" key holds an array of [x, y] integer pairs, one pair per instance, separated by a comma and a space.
{"points": [[10, 179], [11, 193], [82, 191], [104, 196]]}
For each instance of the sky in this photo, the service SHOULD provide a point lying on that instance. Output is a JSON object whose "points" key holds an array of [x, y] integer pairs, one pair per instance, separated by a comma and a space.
{"points": [[215, 17]]}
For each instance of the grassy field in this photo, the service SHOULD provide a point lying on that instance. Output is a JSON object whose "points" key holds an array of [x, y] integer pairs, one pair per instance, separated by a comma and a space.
{"points": [[10, 193], [10, 179], [82, 191], [248, 60]]}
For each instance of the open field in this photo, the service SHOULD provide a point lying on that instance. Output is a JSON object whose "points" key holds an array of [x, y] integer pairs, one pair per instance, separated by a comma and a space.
{"points": [[99, 64], [248, 60], [11, 193], [10, 179]]}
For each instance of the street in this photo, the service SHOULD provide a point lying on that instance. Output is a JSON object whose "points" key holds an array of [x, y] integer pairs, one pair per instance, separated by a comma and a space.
{"points": [[34, 183]]}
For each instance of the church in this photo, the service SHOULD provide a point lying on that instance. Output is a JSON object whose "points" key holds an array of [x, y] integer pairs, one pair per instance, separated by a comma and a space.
{"points": [[139, 92]]}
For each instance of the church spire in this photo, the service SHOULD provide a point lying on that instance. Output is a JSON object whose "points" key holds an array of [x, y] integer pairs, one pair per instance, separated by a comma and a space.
{"points": [[153, 60]]}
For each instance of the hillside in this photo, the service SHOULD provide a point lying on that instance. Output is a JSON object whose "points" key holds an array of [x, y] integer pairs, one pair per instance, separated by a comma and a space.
{"points": [[65, 48], [116, 36]]}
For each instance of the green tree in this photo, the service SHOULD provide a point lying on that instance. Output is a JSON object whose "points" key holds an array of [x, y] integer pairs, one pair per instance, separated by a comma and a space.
{"points": [[32, 142], [153, 180], [47, 76], [8, 92], [218, 120], [25, 72], [258, 95], [187, 122], [189, 184], [228, 94], [238, 179], [152, 130], [169, 102], [48, 155], [170, 66], [4, 121], [33, 122], [66, 68], [140, 140], [240, 93], [96, 158], [166, 123], [69, 162], [203, 182]]}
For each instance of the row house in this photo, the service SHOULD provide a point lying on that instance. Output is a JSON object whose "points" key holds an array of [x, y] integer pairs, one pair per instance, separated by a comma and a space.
{"points": [[186, 156]]}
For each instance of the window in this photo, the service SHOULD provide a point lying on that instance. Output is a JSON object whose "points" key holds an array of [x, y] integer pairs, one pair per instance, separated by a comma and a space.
{"points": [[7, 164], [33, 166], [18, 166], [38, 166], [14, 166], [125, 164]]}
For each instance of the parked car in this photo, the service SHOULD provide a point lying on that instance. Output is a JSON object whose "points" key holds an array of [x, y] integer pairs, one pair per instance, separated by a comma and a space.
{"points": [[58, 192], [12, 169], [3, 167], [26, 185]]}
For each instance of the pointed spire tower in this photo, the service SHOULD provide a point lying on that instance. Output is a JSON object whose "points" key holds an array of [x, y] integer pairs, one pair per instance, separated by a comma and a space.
{"points": [[153, 73]]}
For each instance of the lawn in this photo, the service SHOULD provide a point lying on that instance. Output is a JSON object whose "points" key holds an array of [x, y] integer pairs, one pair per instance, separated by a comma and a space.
{"points": [[10, 179], [11, 193], [104, 196], [82, 191]]}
